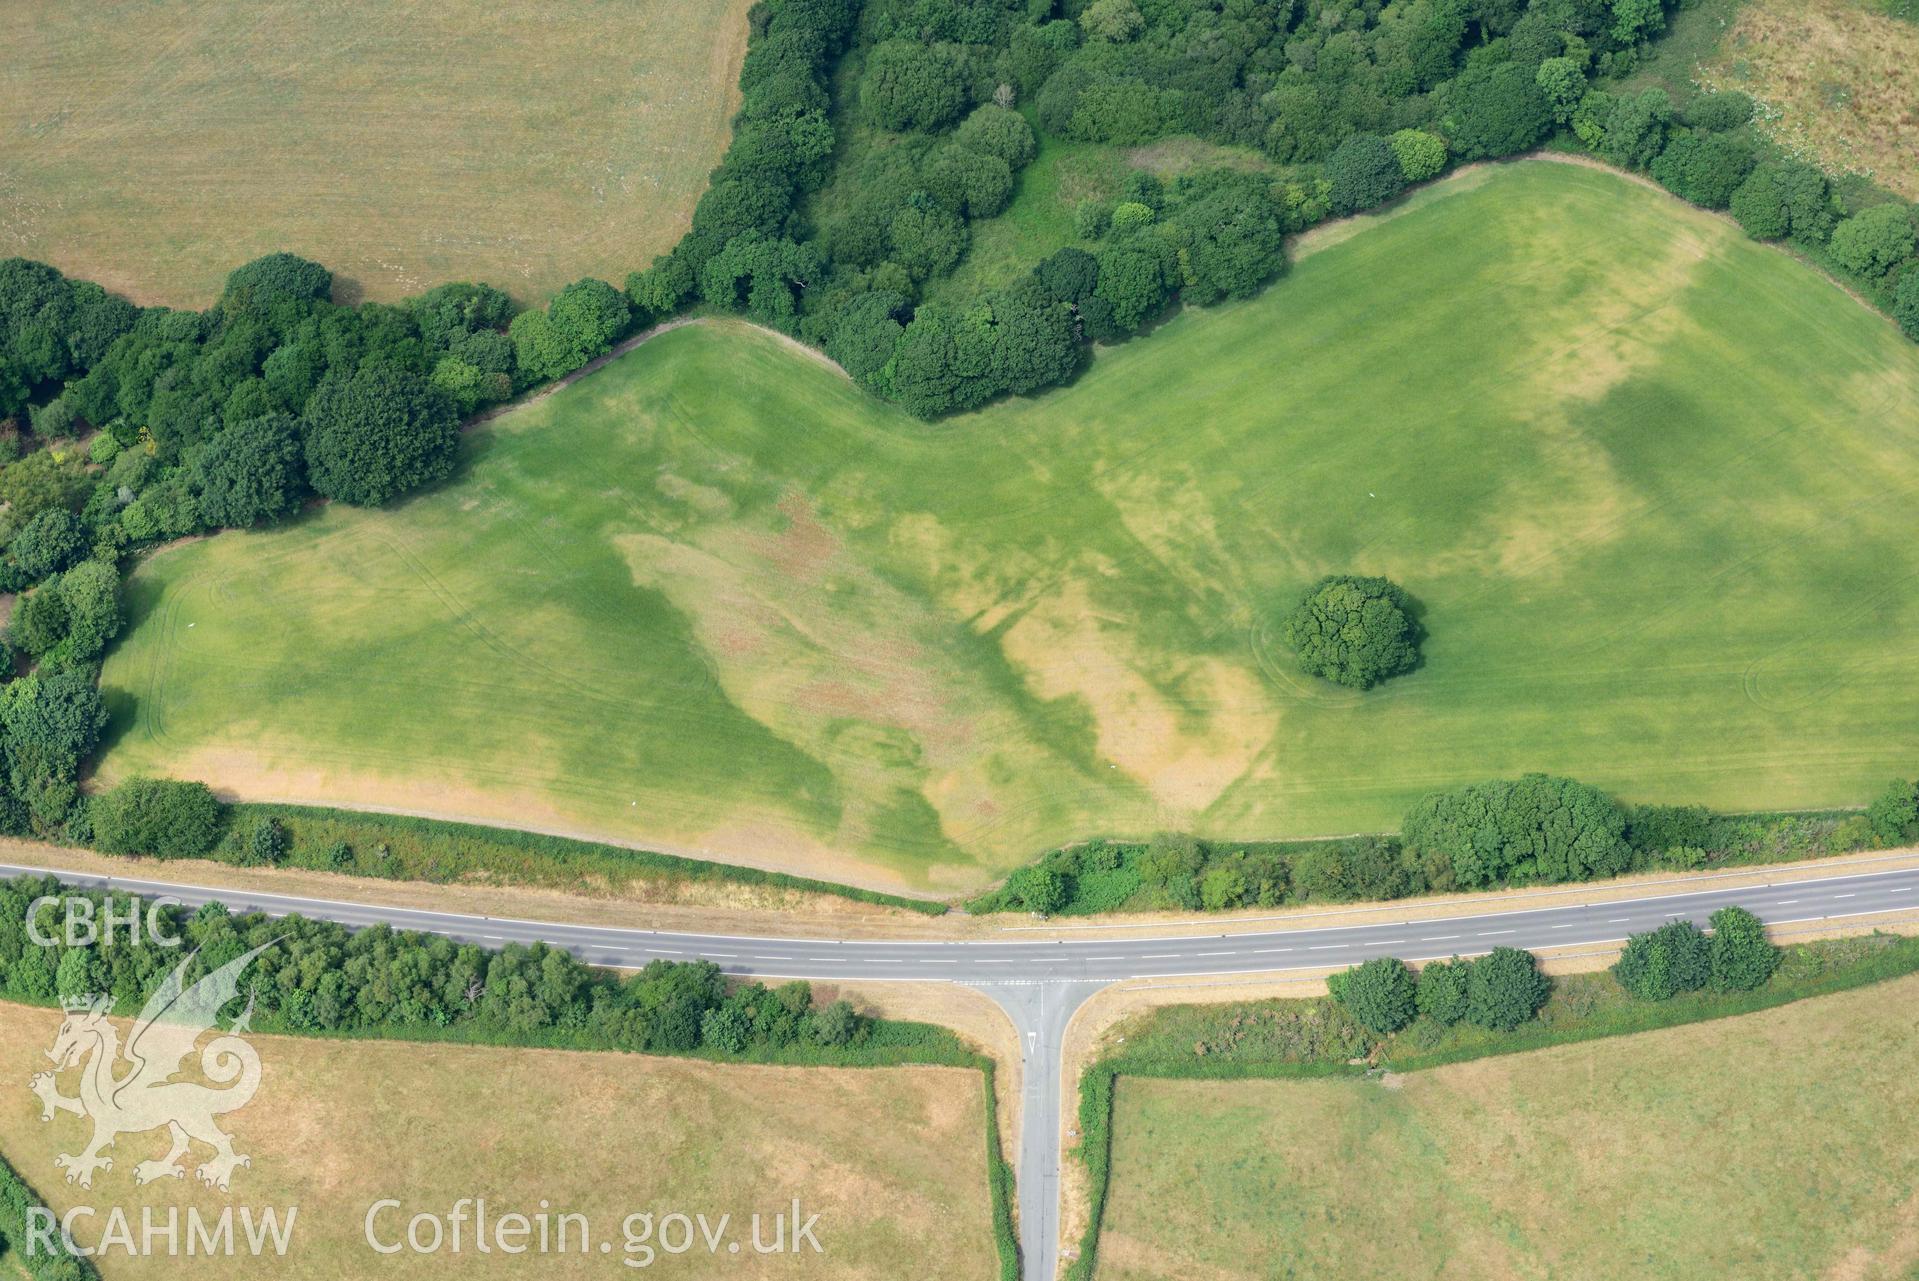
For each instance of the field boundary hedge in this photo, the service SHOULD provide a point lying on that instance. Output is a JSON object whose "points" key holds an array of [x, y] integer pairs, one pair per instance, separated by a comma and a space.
{"points": [[615, 861], [16, 1198], [1185, 873]]}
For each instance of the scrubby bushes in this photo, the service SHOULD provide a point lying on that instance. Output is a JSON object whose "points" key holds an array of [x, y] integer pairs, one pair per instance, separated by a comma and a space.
{"points": [[1486, 835], [17, 1200], [1678, 957], [378, 434], [909, 85], [1784, 198], [1380, 994], [1354, 631], [1671, 959], [49, 723], [67, 621], [51, 328], [581, 323], [1443, 990], [1894, 814], [1498, 991], [251, 473], [1873, 242], [161, 817], [1741, 956], [1495, 111], [1536, 828], [1364, 172], [320, 977], [1504, 988]]}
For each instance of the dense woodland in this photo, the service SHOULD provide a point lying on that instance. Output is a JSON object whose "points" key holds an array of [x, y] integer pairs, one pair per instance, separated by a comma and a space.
{"points": [[871, 138]]}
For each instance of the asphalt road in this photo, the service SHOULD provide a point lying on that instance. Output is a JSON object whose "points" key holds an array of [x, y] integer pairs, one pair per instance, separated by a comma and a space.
{"points": [[1041, 984]]}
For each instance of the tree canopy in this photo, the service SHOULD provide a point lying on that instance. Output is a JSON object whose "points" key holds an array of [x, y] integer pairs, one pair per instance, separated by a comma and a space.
{"points": [[1380, 994], [1353, 630], [378, 434], [1535, 828]]}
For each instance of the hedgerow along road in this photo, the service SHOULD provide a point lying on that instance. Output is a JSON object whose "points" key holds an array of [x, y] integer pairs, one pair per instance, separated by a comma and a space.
{"points": [[1041, 984]]}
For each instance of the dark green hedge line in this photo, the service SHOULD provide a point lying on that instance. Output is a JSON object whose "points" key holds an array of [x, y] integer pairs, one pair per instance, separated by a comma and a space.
{"points": [[443, 851], [999, 1173], [17, 1198], [168, 819], [1298, 1039], [319, 978], [1535, 830]]}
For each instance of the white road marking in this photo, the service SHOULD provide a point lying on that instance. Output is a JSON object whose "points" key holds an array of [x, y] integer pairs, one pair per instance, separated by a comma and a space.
{"points": [[1437, 938], [1486, 934]]}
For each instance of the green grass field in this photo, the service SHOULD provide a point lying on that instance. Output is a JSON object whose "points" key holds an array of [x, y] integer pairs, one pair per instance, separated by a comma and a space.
{"points": [[1652, 483], [155, 147], [1750, 1147]]}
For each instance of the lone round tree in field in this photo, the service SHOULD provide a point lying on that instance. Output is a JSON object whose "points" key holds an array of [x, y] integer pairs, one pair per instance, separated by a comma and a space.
{"points": [[1354, 631]]}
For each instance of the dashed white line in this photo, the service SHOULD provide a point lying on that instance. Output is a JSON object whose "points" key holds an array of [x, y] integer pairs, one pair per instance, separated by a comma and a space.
{"points": [[1486, 934], [1437, 938], [1212, 954], [1264, 951], [1845, 896], [1326, 947], [1160, 956]]}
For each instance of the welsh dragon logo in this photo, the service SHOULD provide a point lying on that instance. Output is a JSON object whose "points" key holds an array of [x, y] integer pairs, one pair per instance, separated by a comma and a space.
{"points": [[144, 1096]]}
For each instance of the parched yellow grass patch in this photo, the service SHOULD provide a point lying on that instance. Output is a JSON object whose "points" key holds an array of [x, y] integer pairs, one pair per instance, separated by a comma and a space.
{"points": [[155, 147], [891, 1160], [1833, 80], [1776, 1144]]}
